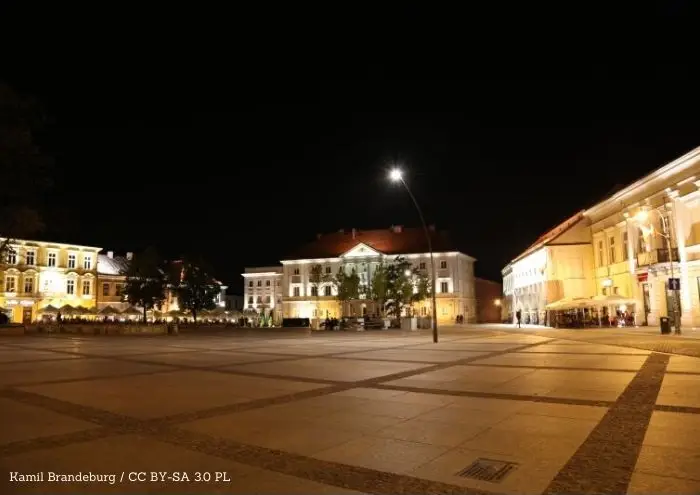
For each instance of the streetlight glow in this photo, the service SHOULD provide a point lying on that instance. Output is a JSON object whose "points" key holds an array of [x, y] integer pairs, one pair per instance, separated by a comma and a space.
{"points": [[641, 216], [395, 175]]}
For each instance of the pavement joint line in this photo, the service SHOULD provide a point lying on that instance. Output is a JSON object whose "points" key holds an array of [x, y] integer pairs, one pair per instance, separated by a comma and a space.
{"points": [[496, 395], [92, 378], [589, 353], [54, 441], [604, 463], [677, 409], [557, 368]]}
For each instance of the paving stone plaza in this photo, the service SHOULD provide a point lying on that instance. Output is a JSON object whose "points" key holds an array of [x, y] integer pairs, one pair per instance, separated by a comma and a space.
{"points": [[486, 410]]}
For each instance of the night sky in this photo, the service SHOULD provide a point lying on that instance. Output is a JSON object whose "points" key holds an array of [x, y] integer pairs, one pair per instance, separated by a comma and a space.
{"points": [[243, 166]]}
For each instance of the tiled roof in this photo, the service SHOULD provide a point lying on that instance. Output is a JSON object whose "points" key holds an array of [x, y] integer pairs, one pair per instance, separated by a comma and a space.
{"points": [[111, 266], [386, 241], [552, 234]]}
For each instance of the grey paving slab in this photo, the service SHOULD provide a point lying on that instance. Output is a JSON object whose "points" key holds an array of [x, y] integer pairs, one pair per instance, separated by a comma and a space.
{"points": [[424, 355], [621, 362], [150, 396], [680, 390], [23, 355]]}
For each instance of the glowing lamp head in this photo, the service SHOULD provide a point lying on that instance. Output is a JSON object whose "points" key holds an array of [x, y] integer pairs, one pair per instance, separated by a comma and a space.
{"points": [[395, 175], [641, 216], [497, 302], [407, 273]]}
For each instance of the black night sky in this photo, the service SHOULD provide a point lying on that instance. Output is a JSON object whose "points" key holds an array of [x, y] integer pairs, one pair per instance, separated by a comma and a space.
{"points": [[243, 163]]}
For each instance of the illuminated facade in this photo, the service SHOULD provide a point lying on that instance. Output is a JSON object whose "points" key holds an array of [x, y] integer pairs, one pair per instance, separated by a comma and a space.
{"points": [[111, 279], [620, 247], [630, 246], [38, 274], [262, 290], [363, 251]]}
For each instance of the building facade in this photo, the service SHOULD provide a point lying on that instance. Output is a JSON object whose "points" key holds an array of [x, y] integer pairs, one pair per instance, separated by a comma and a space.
{"points": [[111, 279], [363, 251], [489, 301], [628, 245], [262, 290], [37, 274]]}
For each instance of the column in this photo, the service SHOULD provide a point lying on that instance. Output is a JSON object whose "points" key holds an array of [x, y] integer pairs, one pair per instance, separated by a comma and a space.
{"points": [[679, 234], [637, 292]]}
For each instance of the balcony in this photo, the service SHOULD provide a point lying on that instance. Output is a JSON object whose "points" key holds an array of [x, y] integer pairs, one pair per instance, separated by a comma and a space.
{"points": [[657, 256]]}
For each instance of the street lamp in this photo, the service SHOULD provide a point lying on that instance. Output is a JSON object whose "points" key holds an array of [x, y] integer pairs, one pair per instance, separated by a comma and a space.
{"points": [[396, 175], [642, 217]]}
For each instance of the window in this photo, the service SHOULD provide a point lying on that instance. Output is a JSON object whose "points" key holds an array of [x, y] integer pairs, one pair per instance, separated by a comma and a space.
{"points": [[328, 269], [443, 265], [421, 265], [70, 287], [31, 257], [86, 287], [600, 253], [423, 311], [327, 291], [10, 284], [87, 262], [28, 285], [625, 246], [51, 260], [250, 284], [611, 251], [296, 271], [278, 283], [259, 300], [267, 283], [118, 288], [250, 300], [259, 283], [105, 289], [267, 299], [443, 287], [296, 291], [314, 291], [12, 257], [71, 261]]}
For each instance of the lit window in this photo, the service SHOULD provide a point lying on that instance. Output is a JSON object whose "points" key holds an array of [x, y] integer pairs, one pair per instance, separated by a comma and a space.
{"points": [[625, 246], [612, 250], [105, 289], [86, 287], [51, 260], [296, 291], [10, 284], [31, 256], [12, 257], [87, 262], [443, 264], [600, 253], [443, 287], [70, 287], [28, 285], [71, 261]]}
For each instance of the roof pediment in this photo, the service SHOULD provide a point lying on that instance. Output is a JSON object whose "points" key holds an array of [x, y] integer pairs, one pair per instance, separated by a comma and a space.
{"points": [[361, 250]]}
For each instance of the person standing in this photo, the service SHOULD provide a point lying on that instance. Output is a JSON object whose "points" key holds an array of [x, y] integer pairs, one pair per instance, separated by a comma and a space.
{"points": [[518, 316]]}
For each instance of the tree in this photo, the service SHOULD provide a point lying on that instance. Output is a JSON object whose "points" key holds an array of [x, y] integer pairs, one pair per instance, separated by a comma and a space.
{"points": [[145, 281], [423, 287], [23, 168], [377, 288], [347, 286], [399, 286], [196, 288], [317, 278]]}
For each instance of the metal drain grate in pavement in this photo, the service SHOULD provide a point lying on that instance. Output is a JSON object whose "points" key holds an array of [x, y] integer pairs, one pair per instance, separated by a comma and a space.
{"points": [[488, 470]]}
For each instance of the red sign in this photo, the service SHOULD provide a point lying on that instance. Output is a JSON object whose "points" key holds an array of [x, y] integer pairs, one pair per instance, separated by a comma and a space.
{"points": [[642, 277]]}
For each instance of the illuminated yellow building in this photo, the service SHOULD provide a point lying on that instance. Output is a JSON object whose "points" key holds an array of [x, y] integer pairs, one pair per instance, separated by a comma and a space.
{"points": [[38, 274], [111, 279], [619, 248], [363, 251]]}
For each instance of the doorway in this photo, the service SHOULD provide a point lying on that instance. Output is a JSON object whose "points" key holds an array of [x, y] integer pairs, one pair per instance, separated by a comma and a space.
{"points": [[647, 304], [27, 315]]}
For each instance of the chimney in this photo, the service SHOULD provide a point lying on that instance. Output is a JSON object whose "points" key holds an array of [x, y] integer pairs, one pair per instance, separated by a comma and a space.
{"points": [[110, 254], [431, 228], [318, 236], [129, 256], [397, 229], [353, 233]]}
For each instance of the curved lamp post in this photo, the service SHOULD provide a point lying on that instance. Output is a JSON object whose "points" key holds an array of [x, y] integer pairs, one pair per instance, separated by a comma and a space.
{"points": [[642, 217], [396, 175]]}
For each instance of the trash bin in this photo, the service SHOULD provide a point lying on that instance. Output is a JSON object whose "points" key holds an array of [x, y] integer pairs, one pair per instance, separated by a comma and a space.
{"points": [[665, 324]]}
